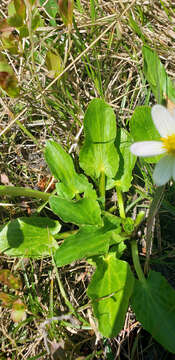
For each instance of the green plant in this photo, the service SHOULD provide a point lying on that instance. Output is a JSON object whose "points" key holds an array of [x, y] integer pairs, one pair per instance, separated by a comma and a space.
{"points": [[98, 235]]}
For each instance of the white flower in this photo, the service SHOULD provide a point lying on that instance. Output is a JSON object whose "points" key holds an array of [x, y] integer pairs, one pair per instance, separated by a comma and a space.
{"points": [[165, 124]]}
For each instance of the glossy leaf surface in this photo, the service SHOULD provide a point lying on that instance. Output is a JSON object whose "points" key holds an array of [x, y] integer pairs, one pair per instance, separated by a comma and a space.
{"points": [[88, 241], [29, 237], [85, 211], [154, 305], [110, 289], [142, 128], [127, 161], [98, 153], [62, 167]]}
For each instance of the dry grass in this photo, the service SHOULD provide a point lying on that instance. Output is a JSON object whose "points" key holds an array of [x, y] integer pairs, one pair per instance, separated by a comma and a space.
{"points": [[101, 57]]}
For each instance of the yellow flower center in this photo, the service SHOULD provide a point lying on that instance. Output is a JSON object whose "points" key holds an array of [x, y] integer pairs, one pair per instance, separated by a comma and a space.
{"points": [[169, 144]]}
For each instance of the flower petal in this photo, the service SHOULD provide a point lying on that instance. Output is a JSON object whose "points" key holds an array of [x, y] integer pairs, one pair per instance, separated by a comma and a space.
{"points": [[163, 170], [147, 148], [173, 113], [163, 120]]}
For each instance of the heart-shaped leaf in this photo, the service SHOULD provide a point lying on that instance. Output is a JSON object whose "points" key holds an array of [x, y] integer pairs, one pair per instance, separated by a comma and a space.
{"points": [[154, 304], [110, 289], [85, 211], [29, 237], [62, 167], [127, 161], [98, 154], [89, 241]]}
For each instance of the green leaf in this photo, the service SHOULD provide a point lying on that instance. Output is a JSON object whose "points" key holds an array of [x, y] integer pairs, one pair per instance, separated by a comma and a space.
{"points": [[29, 237], [154, 305], [20, 8], [155, 74], [98, 153], [15, 21], [62, 167], [11, 8], [60, 163], [110, 289], [10, 42], [142, 128], [51, 7], [31, 2], [87, 242], [128, 225], [36, 20], [23, 31], [112, 222], [134, 25], [85, 211], [127, 161], [54, 64], [66, 11]]}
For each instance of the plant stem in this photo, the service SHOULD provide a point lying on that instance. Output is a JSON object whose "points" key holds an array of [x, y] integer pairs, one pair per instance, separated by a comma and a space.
{"points": [[28, 133], [120, 203], [68, 303], [102, 188], [156, 202], [42, 206], [51, 296], [136, 262], [21, 191]]}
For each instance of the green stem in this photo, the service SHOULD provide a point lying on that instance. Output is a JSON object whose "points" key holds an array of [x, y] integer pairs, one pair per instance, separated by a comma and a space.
{"points": [[156, 202], [51, 312], [28, 133], [136, 262], [102, 187], [130, 206], [120, 203], [68, 303], [42, 206], [21, 191]]}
